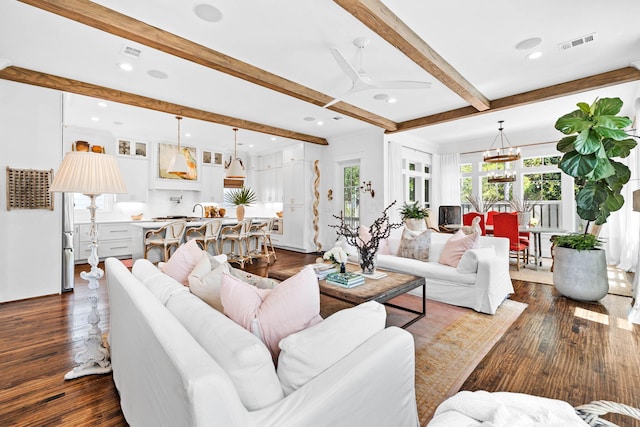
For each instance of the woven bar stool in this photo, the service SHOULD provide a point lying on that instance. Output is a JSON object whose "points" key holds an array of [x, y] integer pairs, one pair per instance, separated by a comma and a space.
{"points": [[238, 236], [167, 237], [260, 234], [207, 234]]}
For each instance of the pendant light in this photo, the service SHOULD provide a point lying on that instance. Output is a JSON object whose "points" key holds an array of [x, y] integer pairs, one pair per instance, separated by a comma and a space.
{"points": [[178, 164], [235, 168], [502, 154]]}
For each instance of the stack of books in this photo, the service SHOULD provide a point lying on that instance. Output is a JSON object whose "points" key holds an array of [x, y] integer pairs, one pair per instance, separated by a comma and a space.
{"points": [[346, 280], [322, 270]]}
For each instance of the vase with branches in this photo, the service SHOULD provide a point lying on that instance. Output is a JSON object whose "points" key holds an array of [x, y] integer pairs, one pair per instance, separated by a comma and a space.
{"points": [[367, 249]]}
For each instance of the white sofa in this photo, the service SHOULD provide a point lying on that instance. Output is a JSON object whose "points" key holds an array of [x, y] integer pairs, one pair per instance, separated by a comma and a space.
{"points": [[178, 362], [483, 290]]}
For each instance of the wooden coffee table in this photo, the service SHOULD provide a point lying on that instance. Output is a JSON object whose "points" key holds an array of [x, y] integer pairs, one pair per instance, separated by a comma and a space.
{"points": [[380, 290]]}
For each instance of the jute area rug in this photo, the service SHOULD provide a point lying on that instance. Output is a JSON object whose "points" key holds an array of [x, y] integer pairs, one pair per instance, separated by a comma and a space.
{"points": [[450, 342], [619, 280]]}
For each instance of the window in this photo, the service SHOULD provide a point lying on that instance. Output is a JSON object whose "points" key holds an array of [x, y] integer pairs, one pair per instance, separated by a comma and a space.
{"points": [[80, 201], [416, 172], [466, 183], [351, 195], [542, 186], [541, 161]]}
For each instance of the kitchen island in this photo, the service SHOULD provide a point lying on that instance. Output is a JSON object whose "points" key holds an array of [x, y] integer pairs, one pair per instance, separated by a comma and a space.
{"points": [[140, 228]]}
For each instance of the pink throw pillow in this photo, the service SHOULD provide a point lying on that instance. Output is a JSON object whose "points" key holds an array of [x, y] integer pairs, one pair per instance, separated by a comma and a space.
{"points": [[290, 307], [182, 262], [455, 247], [365, 235]]}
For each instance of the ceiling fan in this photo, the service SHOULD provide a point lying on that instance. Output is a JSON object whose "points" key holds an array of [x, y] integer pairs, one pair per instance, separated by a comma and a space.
{"points": [[361, 80]]}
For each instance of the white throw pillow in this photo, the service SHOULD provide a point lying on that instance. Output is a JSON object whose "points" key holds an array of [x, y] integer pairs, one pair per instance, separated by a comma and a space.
{"points": [[306, 354], [206, 284]]}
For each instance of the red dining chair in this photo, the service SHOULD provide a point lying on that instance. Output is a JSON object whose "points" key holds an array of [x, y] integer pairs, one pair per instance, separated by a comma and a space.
{"points": [[524, 236], [468, 218], [489, 221], [506, 225]]}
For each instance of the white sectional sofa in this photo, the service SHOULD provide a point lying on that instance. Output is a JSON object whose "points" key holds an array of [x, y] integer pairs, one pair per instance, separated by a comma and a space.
{"points": [[482, 285], [178, 362]]}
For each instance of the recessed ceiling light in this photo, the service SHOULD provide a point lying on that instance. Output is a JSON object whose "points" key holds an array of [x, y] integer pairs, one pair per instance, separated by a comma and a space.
{"points": [[381, 96], [392, 100], [309, 119], [534, 55], [273, 138], [250, 145], [187, 135], [529, 43], [157, 74], [124, 66], [95, 119], [102, 104], [208, 13], [319, 123]]}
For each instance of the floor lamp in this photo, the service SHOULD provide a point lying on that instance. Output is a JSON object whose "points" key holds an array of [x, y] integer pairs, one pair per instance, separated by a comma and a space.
{"points": [[91, 174], [634, 313]]}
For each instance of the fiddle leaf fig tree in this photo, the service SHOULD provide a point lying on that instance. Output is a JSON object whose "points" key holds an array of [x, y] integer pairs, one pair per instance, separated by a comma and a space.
{"points": [[596, 136]]}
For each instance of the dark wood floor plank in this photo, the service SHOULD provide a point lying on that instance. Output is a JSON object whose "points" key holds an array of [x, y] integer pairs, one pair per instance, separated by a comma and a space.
{"points": [[558, 348]]}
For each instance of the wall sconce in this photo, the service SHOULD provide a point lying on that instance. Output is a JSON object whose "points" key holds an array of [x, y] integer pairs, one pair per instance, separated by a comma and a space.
{"points": [[366, 187]]}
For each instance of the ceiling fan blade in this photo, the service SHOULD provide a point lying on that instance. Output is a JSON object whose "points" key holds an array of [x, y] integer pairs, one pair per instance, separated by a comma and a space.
{"points": [[401, 84], [344, 64], [354, 89]]}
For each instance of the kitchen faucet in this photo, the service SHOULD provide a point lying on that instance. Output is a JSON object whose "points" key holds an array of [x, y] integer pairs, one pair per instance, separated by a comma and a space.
{"points": [[194, 209]]}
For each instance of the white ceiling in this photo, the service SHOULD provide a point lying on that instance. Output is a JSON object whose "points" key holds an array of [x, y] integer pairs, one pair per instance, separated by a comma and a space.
{"points": [[292, 39]]}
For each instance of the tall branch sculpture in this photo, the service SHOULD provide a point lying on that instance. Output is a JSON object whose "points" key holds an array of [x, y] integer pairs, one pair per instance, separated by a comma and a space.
{"points": [[379, 230]]}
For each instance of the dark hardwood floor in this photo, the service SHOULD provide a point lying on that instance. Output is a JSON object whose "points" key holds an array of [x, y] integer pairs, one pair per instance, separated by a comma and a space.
{"points": [[558, 348]]}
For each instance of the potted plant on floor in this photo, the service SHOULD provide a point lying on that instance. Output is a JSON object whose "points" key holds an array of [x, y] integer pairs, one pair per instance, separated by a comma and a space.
{"points": [[596, 137], [414, 216], [241, 197]]}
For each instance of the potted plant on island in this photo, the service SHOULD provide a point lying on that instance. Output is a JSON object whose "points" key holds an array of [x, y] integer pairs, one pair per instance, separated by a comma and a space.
{"points": [[240, 197], [414, 216], [596, 137]]}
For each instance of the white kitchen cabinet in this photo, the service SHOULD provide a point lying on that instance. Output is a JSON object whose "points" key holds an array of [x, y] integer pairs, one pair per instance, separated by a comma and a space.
{"points": [[212, 184], [266, 179], [294, 178], [114, 240], [293, 153], [293, 226], [135, 173]]}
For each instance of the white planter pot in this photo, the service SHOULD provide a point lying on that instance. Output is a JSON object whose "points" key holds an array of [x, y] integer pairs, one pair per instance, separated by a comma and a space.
{"points": [[581, 275], [415, 224]]}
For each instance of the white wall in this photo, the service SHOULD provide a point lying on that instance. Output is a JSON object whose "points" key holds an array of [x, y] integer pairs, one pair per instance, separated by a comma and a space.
{"points": [[31, 138], [368, 148]]}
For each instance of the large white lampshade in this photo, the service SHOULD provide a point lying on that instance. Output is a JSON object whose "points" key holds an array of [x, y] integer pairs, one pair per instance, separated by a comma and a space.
{"points": [[178, 164], [88, 173], [235, 168]]}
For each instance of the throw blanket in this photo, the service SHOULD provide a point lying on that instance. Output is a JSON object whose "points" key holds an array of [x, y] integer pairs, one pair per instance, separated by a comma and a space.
{"points": [[502, 409]]}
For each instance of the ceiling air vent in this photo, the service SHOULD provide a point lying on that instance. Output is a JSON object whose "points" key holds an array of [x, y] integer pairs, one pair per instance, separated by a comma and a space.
{"points": [[130, 51], [580, 41]]}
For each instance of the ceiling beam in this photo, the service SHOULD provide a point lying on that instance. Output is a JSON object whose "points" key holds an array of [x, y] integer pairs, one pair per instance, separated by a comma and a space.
{"points": [[35, 78], [112, 22], [609, 78], [387, 25]]}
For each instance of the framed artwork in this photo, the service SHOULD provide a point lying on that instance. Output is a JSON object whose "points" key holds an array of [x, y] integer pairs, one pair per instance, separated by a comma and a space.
{"points": [[206, 157], [217, 159], [124, 147], [141, 149], [165, 155]]}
